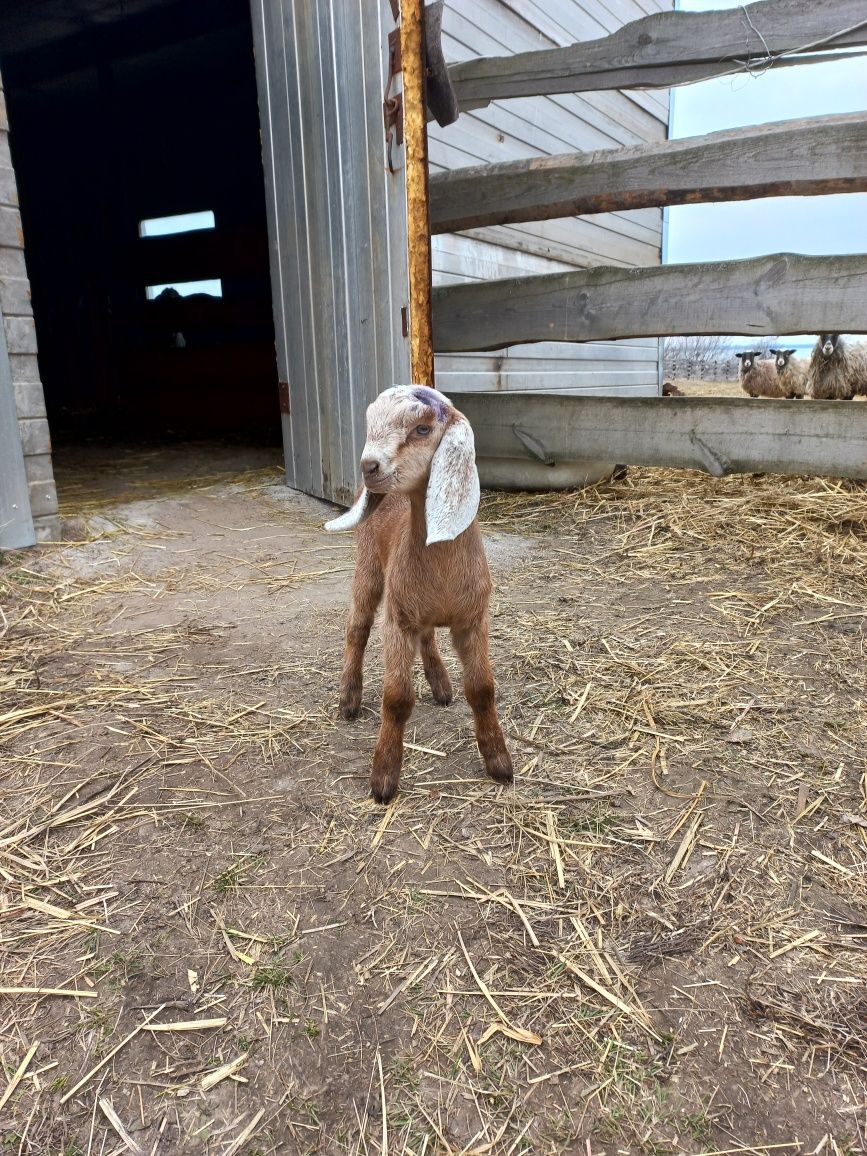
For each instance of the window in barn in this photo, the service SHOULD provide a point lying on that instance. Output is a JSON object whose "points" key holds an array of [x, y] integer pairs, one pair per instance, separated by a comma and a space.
{"points": [[213, 287], [180, 223]]}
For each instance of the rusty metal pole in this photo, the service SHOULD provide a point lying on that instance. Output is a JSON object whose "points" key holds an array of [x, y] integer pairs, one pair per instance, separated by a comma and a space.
{"points": [[418, 221]]}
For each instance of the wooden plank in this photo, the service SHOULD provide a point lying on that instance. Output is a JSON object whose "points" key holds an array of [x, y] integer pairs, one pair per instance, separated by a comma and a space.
{"points": [[416, 177], [669, 48], [717, 435], [16, 521], [778, 294], [788, 158]]}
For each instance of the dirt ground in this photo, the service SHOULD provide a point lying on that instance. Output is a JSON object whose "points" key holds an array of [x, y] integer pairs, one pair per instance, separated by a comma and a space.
{"points": [[700, 388], [697, 388], [214, 942]]}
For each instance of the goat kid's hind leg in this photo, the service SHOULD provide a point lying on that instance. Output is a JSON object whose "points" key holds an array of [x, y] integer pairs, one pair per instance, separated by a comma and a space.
{"points": [[366, 596], [398, 699], [472, 647], [434, 670]]}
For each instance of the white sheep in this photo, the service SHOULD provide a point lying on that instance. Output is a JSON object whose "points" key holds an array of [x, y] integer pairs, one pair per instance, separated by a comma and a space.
{"points": [[837, 370], [758, 378], [791, 372], [419, 543]]}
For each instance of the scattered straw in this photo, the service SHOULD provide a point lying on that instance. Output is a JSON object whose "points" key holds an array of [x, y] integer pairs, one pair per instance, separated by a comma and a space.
{"points": [[675, 884]]}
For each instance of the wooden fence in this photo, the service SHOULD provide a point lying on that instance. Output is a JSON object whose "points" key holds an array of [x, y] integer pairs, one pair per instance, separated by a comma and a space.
{"points": [[775, 294]]}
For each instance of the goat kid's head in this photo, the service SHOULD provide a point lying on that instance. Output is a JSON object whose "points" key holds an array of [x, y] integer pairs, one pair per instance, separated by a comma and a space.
{"points": [[828, 343], [417, 440], [781, 358]]}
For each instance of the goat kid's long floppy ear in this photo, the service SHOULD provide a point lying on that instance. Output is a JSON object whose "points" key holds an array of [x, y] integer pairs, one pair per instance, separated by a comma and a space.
{"points": [[453, 492], [364, 506]]}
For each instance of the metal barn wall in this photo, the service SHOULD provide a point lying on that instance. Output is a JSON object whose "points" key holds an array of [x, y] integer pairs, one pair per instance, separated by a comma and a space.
{"points": [[541, 126], [337, 224], [26, 474]]}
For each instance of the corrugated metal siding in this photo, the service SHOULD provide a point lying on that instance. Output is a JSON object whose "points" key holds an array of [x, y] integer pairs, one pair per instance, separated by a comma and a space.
{"points": [[541, 126], [337, 221]]}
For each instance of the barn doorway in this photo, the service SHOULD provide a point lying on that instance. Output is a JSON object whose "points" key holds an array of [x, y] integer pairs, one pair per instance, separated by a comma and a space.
{"points": [[134, 132]]}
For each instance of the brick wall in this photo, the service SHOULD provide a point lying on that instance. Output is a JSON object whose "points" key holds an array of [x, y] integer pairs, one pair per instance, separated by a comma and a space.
{"points": [[21, 343]]}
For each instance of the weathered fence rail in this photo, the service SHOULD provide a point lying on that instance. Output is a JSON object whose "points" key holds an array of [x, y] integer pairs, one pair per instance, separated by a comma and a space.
{"points": [[669, 48], [782, 293], [787, 158], [549, 440], [717, 435]]}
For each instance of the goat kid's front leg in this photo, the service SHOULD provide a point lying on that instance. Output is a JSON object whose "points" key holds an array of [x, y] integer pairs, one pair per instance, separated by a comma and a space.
{"points": [[398, 699], [472, 647], [434, 669], [366, 595]]}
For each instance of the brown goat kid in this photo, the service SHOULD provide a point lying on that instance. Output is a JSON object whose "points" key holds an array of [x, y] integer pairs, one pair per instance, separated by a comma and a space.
{"points": [[420, 546]]}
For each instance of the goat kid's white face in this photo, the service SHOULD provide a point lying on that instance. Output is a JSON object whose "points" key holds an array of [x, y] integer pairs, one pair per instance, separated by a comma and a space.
{"points": [[416, 438]]}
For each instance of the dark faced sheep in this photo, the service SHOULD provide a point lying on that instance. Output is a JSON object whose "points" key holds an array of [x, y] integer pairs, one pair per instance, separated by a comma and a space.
{"points": [[759, 378], [791, 372], [837, 370]]}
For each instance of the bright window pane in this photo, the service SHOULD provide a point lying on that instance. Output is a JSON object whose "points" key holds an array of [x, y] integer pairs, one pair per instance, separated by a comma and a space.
{"points": [[214, 287], [181, 223]]}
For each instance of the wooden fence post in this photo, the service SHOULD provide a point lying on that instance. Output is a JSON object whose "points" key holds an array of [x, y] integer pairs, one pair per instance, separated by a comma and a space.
{"points": [[418, 222]]}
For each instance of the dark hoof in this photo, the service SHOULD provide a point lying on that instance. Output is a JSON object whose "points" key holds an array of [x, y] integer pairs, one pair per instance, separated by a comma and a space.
{"points": [[383, 789], [441, 688], [499, 768], [350, 704]]}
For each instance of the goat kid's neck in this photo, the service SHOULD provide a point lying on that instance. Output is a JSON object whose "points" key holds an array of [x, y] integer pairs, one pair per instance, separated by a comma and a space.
{"points": [[418, 518]]}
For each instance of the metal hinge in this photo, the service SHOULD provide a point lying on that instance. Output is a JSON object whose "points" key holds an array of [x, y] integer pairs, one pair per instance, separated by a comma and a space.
{"points": [[392, 106], [283, 394]]}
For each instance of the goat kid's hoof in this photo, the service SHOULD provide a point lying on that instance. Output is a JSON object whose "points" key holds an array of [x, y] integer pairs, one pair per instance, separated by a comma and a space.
{"points": [[350, 705], [383, 788], [441, 687], [499, 768]]}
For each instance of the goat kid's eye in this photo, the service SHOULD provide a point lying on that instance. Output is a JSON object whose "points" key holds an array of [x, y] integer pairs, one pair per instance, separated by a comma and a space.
{"points": [[422, 430]]}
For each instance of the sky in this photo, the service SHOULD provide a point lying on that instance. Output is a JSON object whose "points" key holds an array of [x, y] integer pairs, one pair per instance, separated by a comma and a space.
{"points": [[832, 224]]}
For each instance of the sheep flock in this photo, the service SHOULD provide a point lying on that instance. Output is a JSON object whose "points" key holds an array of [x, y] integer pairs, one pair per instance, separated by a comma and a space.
{"points": [[836, 370]]}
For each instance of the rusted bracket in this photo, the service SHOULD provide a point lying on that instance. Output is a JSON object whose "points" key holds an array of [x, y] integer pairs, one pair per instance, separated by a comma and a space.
{"points": [[442, 104], [392, 106]]}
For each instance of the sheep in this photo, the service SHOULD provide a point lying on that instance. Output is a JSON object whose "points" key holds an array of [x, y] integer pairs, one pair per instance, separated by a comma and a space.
{"points": [[837, 370], [791, 371], [758, 378], [420, 545]]}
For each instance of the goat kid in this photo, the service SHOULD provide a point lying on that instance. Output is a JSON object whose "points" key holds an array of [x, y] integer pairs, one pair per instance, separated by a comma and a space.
{"points": [[419, 545]]}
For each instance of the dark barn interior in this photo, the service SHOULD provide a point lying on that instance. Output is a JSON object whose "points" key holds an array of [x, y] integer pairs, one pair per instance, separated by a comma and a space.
{"points": [[130, 111]]}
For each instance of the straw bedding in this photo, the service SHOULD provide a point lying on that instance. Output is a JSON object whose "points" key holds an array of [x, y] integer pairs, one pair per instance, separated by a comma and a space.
{"points": [[213, 942]]}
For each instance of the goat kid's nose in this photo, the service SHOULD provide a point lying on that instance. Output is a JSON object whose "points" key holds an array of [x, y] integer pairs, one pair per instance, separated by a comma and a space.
{"points": [[369, 467]]}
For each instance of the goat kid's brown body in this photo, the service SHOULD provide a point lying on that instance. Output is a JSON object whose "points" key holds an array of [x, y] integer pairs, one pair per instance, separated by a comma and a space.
{"points": [[446, 584]]}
